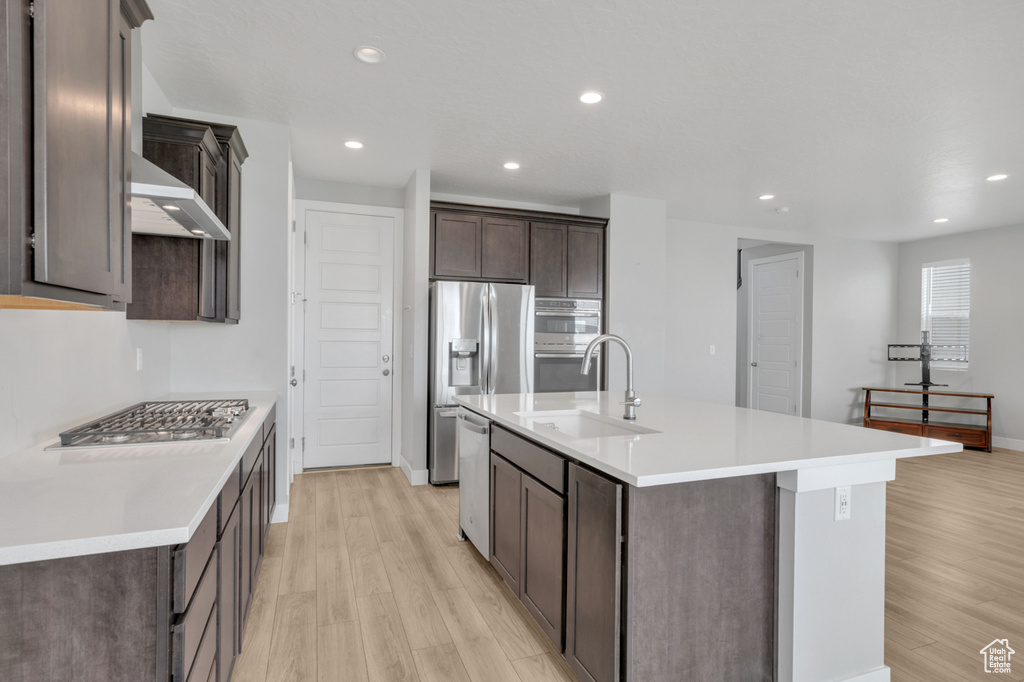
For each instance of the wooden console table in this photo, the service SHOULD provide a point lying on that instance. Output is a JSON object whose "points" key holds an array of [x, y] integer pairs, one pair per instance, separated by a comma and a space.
{"points": [[971, 435]]}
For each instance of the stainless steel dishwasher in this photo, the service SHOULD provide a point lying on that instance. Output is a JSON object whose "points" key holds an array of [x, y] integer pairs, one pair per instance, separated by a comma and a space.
{"points": [[473, 441]]}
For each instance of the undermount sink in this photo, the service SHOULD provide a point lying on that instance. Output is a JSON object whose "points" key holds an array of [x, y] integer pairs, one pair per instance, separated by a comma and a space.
{"points": [[582, 424]]}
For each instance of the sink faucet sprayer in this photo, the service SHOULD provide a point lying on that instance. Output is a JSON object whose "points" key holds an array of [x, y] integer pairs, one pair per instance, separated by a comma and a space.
{"points": [[632, 402]]}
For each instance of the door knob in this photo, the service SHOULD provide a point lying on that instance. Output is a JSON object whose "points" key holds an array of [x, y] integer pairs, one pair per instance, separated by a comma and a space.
{"points": [[386, 372], [294, 382], [386, 358], [753, 364]]}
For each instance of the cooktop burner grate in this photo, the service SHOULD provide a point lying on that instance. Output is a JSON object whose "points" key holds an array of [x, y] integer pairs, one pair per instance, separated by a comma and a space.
{"points": [[160, 421]]}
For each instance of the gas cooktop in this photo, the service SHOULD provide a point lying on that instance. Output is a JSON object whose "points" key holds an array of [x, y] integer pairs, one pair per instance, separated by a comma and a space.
{"points": [[172, 421]]}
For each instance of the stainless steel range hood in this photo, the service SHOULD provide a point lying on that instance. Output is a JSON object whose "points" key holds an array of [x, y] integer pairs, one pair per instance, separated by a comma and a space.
{"points": [[164, 205]]}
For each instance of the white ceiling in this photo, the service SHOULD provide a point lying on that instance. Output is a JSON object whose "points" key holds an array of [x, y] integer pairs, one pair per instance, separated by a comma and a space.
{"points": [[867, 118]]}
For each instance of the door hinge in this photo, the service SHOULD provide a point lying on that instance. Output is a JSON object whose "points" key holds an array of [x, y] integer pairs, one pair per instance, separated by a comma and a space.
{"points": [[32, 240], [798, 274], [305, 238], [293, 226], [31, 10], [303, 443], [293, 371], [303, 373], [291, 443]]}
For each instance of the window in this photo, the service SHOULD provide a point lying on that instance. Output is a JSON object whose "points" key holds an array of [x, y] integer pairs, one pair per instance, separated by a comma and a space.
{"points": [[946, 307]]}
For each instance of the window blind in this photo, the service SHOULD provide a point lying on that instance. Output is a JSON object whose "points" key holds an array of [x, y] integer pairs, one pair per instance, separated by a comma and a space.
{"points": [[946, 306]]}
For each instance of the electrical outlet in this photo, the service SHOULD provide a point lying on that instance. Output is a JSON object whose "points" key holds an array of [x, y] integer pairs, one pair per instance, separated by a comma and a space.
{"points": [[843, 503], [138, 359]]}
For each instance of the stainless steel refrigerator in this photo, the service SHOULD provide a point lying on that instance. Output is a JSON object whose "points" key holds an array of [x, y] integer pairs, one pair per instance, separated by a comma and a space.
{"points": [[481, 342]]}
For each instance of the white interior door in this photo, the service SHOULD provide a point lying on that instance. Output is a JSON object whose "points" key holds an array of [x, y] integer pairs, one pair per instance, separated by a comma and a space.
{"points": [[349, 322], [776, 333]]}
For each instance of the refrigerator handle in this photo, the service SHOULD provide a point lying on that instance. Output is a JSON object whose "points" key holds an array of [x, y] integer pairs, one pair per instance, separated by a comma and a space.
{"points": [[485, 347]]}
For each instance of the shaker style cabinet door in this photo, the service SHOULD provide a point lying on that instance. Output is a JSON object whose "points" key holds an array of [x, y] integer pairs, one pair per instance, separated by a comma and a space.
{"points": [[547, 259], [594, 577], [80, 111], [505, 250], [456, 247], [585, 262], [542, 578], [506, 537]]}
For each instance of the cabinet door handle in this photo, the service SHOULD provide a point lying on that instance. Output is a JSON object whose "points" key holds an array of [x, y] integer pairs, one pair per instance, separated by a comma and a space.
{"points": [[386, 372]]}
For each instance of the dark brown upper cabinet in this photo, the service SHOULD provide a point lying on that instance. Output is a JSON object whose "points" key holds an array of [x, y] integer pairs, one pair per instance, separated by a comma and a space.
{"points": [[65, 240], [455, 246], [474, 247], [548, 259], [561, 255], [191, 279], [585, 262]]}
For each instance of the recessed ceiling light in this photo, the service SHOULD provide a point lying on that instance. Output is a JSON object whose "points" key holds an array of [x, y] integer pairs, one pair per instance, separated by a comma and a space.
{"points": [[766, 197], [996, 178], [369, 55], [591, 97], [352, 144], [941, 220], [512, 165]]}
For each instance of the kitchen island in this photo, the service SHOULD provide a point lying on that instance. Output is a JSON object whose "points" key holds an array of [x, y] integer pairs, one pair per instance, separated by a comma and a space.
{"points": [[702, 541]]}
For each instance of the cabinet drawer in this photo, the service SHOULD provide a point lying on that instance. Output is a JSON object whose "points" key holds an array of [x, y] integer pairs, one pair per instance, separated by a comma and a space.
{"points": [[896, 427], [194, 642], [252, 453], [544, 465], [959, 434], [269, 422], [191, 558], [228, 498]]}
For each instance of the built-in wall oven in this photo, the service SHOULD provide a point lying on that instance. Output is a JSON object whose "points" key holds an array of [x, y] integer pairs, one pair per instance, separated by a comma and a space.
{"points": [[563, 327]]}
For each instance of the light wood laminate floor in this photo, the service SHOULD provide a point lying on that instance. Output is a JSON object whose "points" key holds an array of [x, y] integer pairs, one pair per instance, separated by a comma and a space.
{"points": [[368, 583], [954, 565]]}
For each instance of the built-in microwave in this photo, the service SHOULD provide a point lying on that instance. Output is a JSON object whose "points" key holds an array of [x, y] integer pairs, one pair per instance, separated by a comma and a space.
{"points": [[563, 328], [565, 324]]}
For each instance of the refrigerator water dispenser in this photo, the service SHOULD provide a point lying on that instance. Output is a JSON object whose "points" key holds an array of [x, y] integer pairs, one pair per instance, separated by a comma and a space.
{"points": [[464, 362]]}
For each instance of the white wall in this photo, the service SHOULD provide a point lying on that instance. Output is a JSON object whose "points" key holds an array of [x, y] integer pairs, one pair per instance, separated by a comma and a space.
{"points": [[347, 193], [635, 260], [415, 309], [997, 320], [60, 368], [854, 313]]}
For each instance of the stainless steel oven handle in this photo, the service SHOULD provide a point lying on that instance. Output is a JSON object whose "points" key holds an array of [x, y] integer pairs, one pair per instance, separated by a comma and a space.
{"points": [[556, 356]]}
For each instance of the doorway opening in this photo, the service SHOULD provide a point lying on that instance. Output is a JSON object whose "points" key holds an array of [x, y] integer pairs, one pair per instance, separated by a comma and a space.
{"points": [[774, 290]]}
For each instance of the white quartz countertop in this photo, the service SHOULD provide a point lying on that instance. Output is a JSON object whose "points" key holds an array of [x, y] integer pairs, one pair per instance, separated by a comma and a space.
{"points": [[695, 440], [79, 501]]}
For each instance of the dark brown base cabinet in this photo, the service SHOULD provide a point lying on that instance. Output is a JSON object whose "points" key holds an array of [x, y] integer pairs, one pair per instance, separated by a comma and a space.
{"points": [[166, 614], [659, 584], [528, 527]]}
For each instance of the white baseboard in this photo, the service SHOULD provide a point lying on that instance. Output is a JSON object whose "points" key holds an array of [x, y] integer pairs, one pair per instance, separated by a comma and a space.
{"points": [[877, 675], [1008, 443], [280, 514], [415, 476]]}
